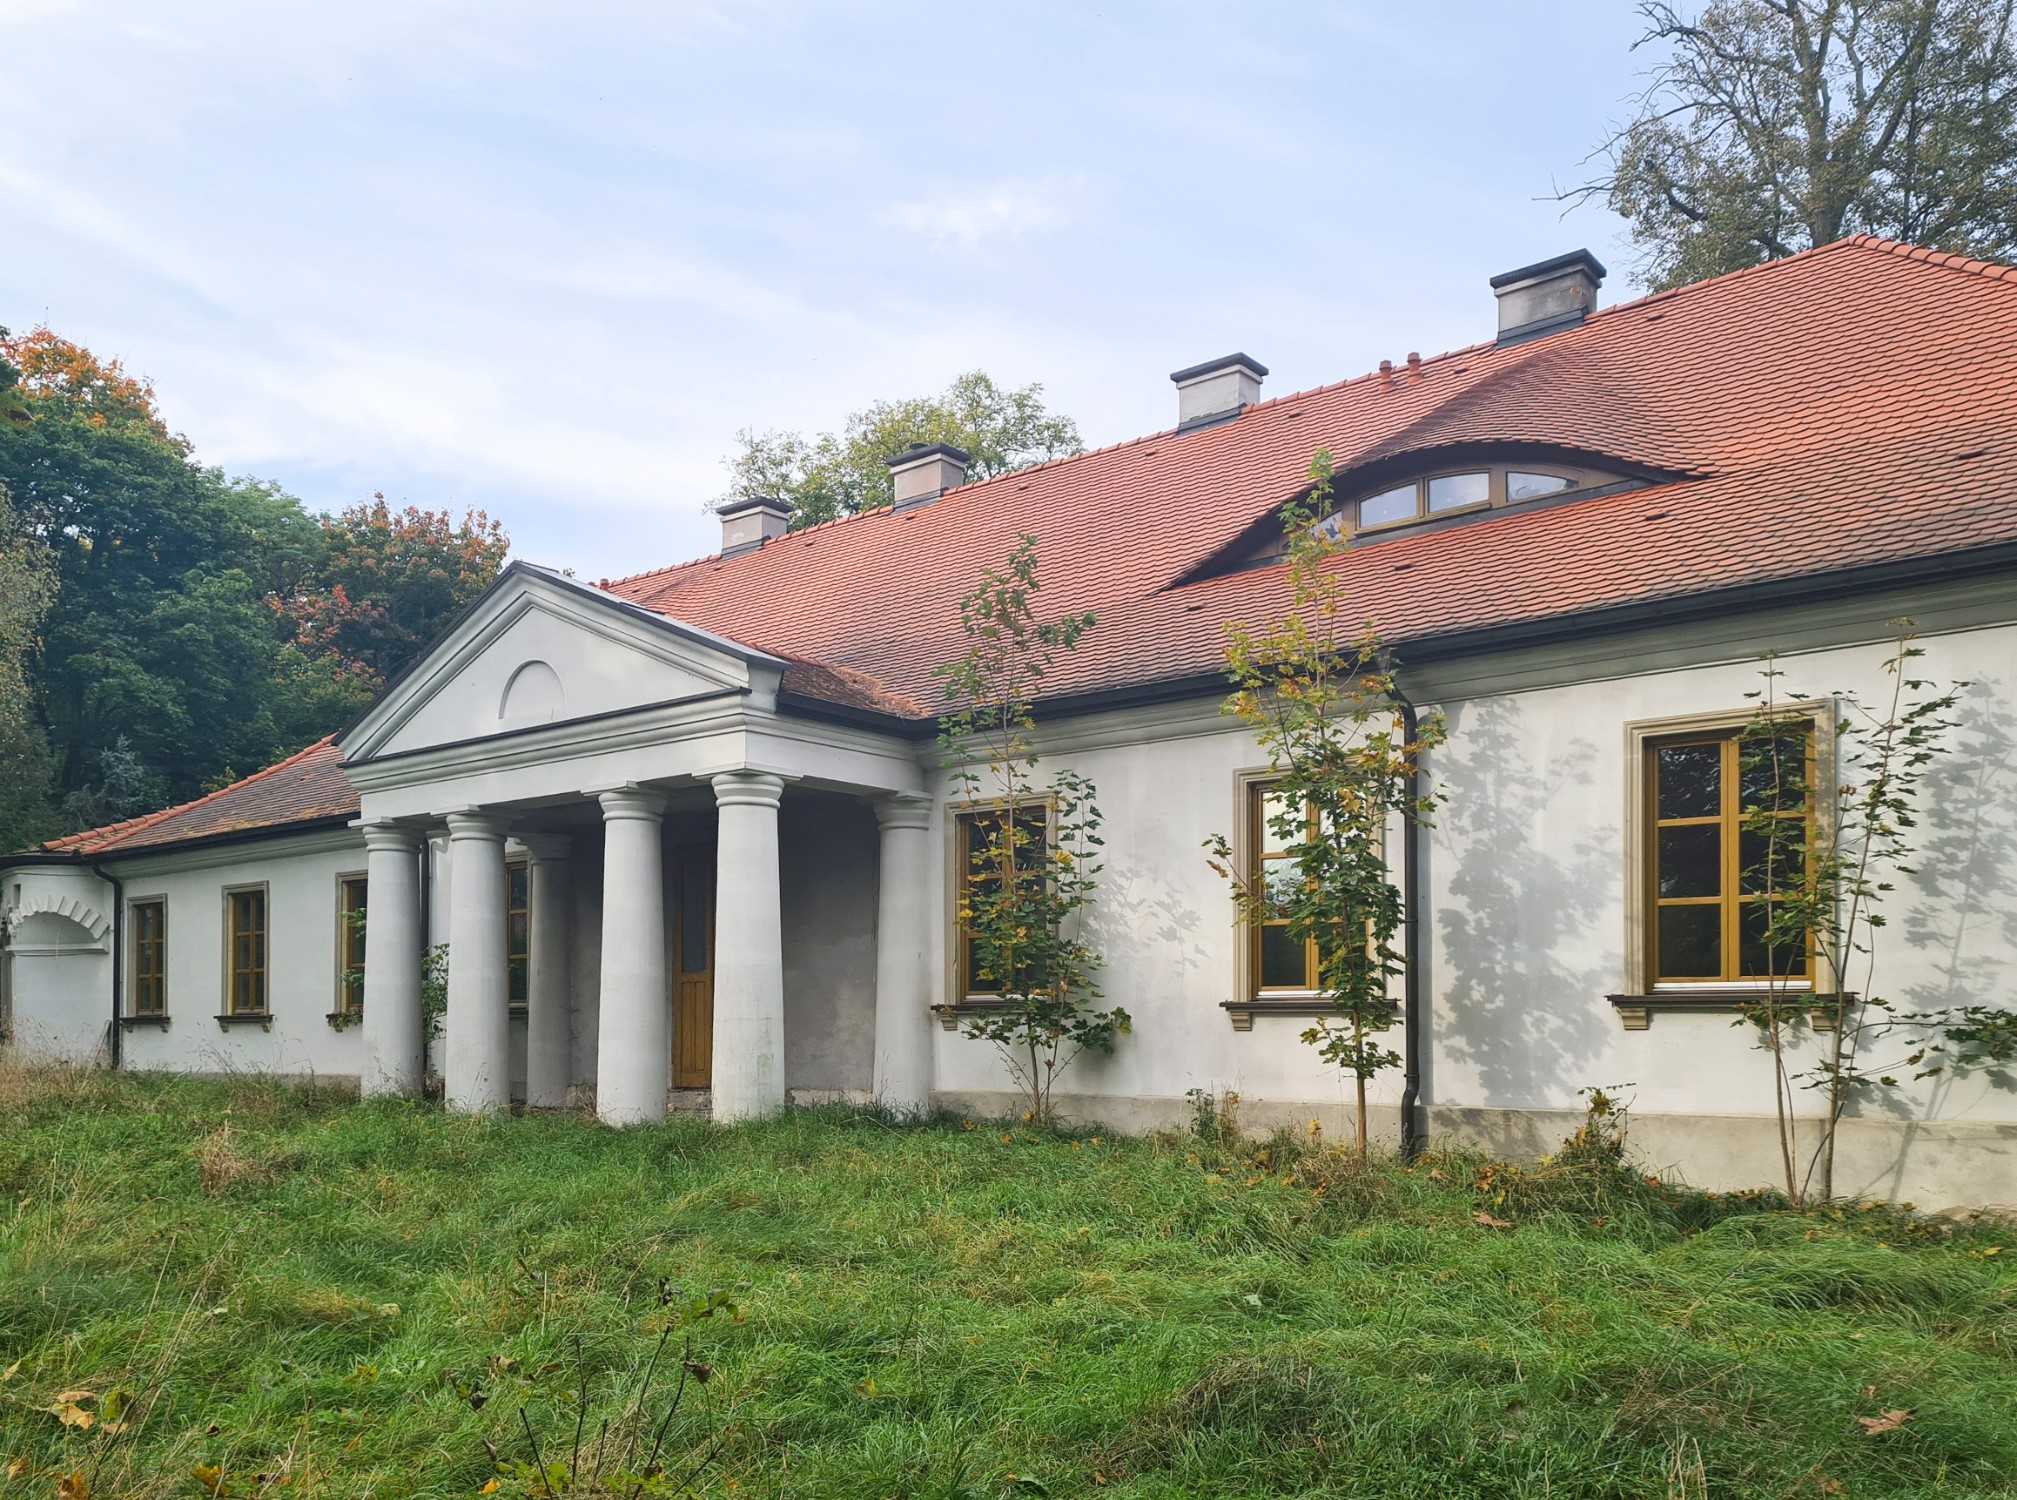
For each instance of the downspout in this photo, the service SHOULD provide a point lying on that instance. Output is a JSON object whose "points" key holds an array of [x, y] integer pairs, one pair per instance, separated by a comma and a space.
{"points": [[1414, 1128], [116, 1036]]}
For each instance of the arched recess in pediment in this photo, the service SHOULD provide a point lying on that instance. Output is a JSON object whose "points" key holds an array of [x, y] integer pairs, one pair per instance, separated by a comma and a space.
{"points": [[532, 696]]}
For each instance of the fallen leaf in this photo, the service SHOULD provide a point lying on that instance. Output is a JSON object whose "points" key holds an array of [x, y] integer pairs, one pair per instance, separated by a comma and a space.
{"points": [[489, 1487], [11, 1371], [70, 1414], [1869, 1393], [1490, 1221], [73, 1486], [1889, 1422], [16, 1467], [76, 1395], [210, 1476]]}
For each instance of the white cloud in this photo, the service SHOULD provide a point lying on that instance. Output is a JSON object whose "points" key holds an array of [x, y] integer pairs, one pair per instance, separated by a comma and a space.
{"points": [[989, 213]]}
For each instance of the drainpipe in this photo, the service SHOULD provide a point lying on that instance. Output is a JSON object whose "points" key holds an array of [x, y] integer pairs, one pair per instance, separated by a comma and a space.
{"points": [[116, 1038], [1414, 1128]]}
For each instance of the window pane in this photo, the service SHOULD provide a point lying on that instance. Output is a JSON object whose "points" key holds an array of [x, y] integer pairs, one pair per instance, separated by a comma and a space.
{"points": [[1282, 880], [1282, 960], [1397, 504], [1691, 781], [1774, 861], [1522, 484], [1760, 959], [1691, 942], [516, 984], [1272, 809], [1773, 772], [1450, 491], [521, 885], [1691, 860]]}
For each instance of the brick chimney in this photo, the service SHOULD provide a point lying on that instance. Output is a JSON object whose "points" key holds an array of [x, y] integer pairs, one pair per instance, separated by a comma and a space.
{"points": [[1217, 390], [1548, 296], [921, 474], [748, 521]]}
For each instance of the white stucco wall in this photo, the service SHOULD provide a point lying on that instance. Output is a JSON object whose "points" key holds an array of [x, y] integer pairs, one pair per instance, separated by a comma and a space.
{"points": [[68, 995], [1525, 875]]}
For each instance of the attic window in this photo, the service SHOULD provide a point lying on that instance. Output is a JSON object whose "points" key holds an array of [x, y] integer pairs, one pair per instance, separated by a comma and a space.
{"points": [[1451, 492]]}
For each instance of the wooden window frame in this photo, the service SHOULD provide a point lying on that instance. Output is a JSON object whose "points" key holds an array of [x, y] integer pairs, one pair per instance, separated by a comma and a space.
{"points": [[1580, 477], [230, 1011], [138, 973], [1256, 859], [960, 815], [513, 865], [1643, 991], [1248, 998], [349, 1006]]}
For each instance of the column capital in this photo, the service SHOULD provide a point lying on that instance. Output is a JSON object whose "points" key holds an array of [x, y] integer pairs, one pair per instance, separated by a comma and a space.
{"points": [[392, 838], [547, 848], [904, 810], [631, 801], [747, 789], [474, 823]]}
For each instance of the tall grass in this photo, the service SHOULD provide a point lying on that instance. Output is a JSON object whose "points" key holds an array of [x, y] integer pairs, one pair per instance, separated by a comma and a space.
{"points": [[256, 1290]]}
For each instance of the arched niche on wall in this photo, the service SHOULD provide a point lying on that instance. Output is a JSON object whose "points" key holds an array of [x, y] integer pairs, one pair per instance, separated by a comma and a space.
{"points": [[532, 696]]}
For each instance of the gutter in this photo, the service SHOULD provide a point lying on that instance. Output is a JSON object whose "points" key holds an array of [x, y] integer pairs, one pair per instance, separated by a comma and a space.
{"points": [[1414, 1123]]}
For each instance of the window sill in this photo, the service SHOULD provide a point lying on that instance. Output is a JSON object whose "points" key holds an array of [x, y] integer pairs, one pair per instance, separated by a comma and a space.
{"points": [[1242, 1012], [129, 1022], [343, 1020], [953, 1012], [1635, 1012], [1304, 1003], [263, 1019]]}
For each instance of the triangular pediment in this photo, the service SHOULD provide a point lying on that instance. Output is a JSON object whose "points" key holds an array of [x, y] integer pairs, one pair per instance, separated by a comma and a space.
{"points": [[540, 649]]}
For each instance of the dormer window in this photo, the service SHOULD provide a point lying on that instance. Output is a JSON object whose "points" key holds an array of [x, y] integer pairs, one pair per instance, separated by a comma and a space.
{"points": [[1458, 491]]}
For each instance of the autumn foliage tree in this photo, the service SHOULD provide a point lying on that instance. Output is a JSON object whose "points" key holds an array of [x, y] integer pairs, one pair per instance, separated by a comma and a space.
{"points": [[199, 623]]}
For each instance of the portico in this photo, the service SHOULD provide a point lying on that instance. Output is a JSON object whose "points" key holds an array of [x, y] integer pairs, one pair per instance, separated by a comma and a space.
{"points": [[646, 797]]}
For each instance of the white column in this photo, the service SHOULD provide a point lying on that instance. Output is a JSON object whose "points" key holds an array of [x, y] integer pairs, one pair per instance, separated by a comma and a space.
{"points": [[549, 992], [634, 1032], [392, 944], [478, 1070], [903, 954], [748, 949]]}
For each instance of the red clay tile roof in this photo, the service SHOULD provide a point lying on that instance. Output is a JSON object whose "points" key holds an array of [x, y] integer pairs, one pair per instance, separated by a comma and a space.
{"points": [[1822, 407], [1843, 407], [307, 786]]}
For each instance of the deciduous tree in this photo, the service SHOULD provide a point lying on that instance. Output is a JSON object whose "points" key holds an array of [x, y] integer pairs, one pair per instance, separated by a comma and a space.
{"points": [[1769, 126], [841, 473], [1035, 858], [1315, 687]]}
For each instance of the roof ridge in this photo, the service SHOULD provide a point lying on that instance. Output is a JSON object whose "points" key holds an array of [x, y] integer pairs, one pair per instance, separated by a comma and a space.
{"points": [[148, 820], [1953, 260], [1900, 248]]}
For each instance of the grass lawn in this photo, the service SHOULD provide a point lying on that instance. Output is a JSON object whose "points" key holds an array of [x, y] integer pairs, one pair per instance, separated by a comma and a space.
{"points": [[251, 1290]]}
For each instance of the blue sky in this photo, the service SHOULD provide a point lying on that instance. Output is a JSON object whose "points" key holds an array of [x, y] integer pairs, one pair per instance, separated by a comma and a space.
{"points": [[548, 260]]}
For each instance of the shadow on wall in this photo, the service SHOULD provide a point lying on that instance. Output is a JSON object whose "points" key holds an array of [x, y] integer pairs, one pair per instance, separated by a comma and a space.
{"points": [[1961, 928], [1516, 995], [1143, 927]]}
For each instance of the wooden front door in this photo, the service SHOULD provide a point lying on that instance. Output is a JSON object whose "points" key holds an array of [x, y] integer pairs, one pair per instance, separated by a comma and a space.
{"points": [[693, 972]]}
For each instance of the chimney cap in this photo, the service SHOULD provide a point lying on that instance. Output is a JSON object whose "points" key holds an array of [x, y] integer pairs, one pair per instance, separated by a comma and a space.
{"points": [[918, 451], [1224, 362], [1554, 265], [735, 505]]}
